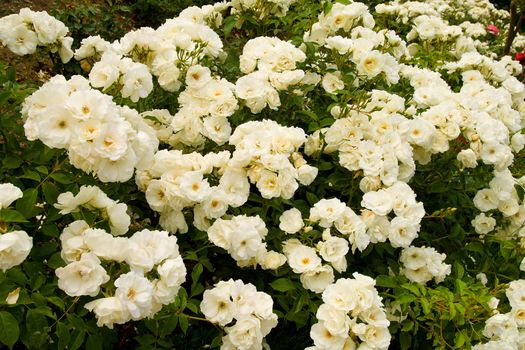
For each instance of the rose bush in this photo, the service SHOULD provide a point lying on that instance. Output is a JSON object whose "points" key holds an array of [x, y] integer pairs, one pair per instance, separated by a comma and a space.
{"points": [[249, 170]]}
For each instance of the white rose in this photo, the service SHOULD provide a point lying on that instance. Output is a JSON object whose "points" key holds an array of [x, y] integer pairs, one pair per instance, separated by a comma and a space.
{"points": [[332, 82], [291, 221], [109, 311], [318, 279], [14, 248], [380, 202], [486, 199], [172, 272], [246, 333], [336, 321], [371, 64], [467, 158], [9, 194], [83, 277], [135, 292], [271, 260], [334, 248], [119, 220], [306, 174], [217, 306], [105, 246], [324, 339], [483, 224], [302, 259], [326, 211]]}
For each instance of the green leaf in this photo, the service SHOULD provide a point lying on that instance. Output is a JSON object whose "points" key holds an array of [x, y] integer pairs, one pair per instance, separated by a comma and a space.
{"points": [[168, 326], [42, 169], [94, 342], [310, 114], [11, 74], [412, 287], [77, 339], [327, 7], [62, 178], [183, 322], [406, 341], [283, 285], [31, 175], [196, 273], [57, 302], [311, 198], [37, 326], [459, 340], [9, 330], [63, 335], [407, 326], [229, 24], [216, 342], [386, 281], [26, 205], [76, 321], [11, 162], [50, 192], [406, 299], [8, 215], [425, 304]]}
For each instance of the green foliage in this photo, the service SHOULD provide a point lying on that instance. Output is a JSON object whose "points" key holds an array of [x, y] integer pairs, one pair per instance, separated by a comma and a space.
{"points": [[109, 18], [152, 13]]}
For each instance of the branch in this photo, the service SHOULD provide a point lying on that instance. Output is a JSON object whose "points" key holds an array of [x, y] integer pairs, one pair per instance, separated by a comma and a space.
{"points": [[512, 28]]}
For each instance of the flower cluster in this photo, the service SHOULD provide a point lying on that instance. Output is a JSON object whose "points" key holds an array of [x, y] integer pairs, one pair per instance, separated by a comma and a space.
{"points": [[179, 43], [407, 10], [351, 316], [14, 245], [22, 33], [501, 196], [133, 79], [252, 311], [336, 219], [270, 65], [506, 331], [340, 18], [269, 154], [243, 238], [205, 106], [263, 8], [306, 260], [93, 198], [382, 143], [477, 68], [176, 181], [100, 136], [401, 200], [421, 264], [136, 296]]}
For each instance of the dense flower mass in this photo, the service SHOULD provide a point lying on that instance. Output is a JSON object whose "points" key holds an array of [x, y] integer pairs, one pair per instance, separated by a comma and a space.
{"points": [[351, 316], [100, 136], [251, 310], [361, 165], [157, 271], [22, 33]]}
